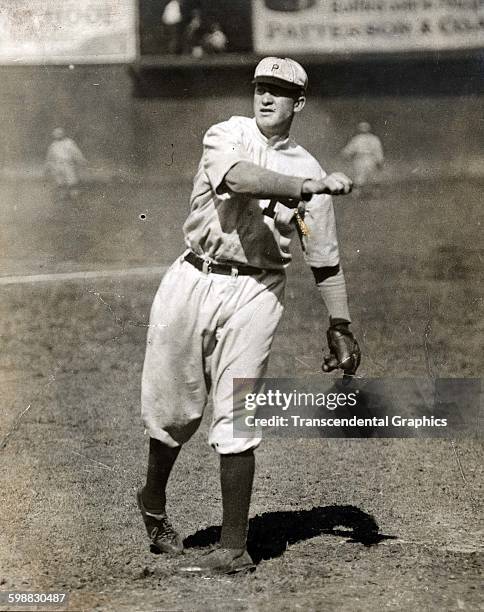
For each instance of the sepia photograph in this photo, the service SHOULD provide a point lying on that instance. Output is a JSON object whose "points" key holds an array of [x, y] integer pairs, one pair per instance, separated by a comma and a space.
{"points": [[241, 305]]}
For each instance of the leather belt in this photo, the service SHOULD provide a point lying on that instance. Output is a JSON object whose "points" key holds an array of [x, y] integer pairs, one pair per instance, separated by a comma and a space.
{"points": [[205, 265]]}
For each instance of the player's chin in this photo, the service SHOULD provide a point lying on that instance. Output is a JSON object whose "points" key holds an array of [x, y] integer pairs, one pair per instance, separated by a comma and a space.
{"points": [[266, 119]]}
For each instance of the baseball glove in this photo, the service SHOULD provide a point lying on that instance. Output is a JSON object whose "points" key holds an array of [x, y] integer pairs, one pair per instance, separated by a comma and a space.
{"points": [[343, 347]]}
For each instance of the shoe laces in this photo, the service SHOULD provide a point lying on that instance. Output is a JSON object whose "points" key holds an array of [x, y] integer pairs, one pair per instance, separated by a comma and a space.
{"points": [[164, 529]]}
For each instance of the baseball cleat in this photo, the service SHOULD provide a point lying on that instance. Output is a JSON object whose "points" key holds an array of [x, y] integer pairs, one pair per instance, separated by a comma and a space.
{"points": [[164, 538], [221, 561]]}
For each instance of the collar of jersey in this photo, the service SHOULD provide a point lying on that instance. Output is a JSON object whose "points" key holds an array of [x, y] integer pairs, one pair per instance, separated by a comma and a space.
{"points": [[275, 142]]}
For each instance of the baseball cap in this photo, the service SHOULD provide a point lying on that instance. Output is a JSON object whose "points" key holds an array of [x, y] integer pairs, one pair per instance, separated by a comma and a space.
{"points": [[284, 72], [58, 133]]}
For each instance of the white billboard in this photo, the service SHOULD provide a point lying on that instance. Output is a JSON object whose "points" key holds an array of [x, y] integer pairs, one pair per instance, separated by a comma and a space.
{"points": [[67, 31], [341, 26]]}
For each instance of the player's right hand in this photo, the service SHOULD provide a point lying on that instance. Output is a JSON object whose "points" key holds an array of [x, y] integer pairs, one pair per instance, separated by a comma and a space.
{"points": [[336, 183]]}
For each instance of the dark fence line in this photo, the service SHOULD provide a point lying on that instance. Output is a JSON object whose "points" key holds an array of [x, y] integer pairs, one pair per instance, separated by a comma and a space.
{"points": [[394, 75]]}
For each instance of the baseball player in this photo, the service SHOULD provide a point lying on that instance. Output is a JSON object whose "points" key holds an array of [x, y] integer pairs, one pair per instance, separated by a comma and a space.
{"points": [[64, 164], [217, 309], [172, 20], [366, 152]]}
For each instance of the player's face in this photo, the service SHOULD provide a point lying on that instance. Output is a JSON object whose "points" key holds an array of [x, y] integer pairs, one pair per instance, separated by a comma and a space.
{"points": [[274, 108]]}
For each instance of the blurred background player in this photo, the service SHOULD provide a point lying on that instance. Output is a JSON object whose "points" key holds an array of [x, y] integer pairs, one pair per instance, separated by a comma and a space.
{"points": [[64, 163], [215, 41], [172, 19], [366, 154], [192, 36]]}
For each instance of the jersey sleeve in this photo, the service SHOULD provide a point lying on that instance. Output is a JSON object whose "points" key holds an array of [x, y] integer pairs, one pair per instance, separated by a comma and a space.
{"points": [[50, 157], [222, 149], [320, 246], [75, 153], [350, 149], [378, 150]]}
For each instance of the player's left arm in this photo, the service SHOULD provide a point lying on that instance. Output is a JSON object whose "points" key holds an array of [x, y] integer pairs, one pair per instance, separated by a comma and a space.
{"points": [[50, 161], [379, 152], [330, 281], [321, 253], [344, 351], [76, 154], [349, 150]]}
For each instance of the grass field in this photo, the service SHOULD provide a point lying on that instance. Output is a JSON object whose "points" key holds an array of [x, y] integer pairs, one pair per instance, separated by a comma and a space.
{"points": [[73, 446]]}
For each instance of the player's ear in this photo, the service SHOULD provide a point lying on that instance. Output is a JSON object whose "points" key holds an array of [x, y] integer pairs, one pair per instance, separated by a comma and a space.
{"points": [[299, 102]]}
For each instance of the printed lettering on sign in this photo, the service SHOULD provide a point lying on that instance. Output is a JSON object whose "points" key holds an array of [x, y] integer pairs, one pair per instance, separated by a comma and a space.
{"points": [[65, 31], [342, 26]]}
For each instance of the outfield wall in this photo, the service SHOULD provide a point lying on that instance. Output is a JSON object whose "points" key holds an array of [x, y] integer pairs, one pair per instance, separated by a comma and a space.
{"points": [[160, 137]]}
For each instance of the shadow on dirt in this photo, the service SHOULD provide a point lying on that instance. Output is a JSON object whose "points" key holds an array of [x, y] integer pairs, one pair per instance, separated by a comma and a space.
{"points": [[271, 532]]}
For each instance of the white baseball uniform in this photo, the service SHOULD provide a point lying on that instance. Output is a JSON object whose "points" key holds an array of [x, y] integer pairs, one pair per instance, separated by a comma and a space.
{"points": [[64, 160], [206, 328], [366, 152]]}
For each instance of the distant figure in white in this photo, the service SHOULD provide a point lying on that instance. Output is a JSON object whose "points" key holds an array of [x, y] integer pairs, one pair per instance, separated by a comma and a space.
{"points": [[366, 153], [192, 36], [64, 164], [215, 40], [172, 19]]}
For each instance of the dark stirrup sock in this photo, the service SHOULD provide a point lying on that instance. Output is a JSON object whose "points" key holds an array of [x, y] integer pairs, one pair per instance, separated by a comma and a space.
{"points": [[236, 478], [160, 462]]}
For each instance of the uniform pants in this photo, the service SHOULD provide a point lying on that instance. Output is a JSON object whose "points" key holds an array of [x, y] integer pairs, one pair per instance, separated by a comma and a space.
{"points": [[205, 330]]}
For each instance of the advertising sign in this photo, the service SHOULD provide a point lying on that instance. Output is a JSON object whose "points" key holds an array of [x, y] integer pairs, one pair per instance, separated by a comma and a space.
{"points": [[340, 26], [65, 31]]}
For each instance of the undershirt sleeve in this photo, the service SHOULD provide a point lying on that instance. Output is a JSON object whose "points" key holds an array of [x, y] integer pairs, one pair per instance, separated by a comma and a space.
{"points": [[332, 287]]}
